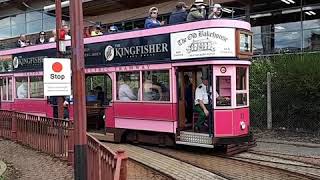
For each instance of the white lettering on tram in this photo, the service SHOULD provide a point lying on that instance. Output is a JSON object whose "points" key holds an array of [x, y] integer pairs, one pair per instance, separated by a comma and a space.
{"points": [[141, 50]]}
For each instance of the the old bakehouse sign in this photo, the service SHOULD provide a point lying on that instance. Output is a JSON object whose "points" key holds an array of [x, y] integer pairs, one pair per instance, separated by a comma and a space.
{"points": [[202, 43]]}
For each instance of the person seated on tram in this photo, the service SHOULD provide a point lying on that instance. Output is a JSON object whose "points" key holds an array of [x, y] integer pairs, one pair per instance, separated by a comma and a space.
{"points": [[22, 90], [179, 15], [164, 88], [216, 12], [197, 12], [91, 97], [201, 102], [125, 92], [23, 41], [42, 39], [96, 31], [151, 21], [100, 94], [151, 92]]}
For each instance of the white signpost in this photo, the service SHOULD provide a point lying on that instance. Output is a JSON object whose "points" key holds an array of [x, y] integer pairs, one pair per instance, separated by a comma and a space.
{"points": [[57, 77], [202, 43]]}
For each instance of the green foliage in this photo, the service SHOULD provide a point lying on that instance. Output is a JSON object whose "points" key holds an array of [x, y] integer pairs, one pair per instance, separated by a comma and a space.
{"points": [[295, 91]]}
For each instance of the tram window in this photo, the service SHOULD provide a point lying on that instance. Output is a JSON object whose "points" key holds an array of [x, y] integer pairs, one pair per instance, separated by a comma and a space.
{"points": [[241, 78], [223, 91], [241, 99], [128, 85], [22, 87], [99, 88], [156, 86], [241, 91], [4, 88], [36, 87], [10, 81]]}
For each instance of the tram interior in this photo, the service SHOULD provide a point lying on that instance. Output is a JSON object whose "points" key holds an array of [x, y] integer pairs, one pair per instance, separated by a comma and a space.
{"points": [[189, 79], [98, 96]]}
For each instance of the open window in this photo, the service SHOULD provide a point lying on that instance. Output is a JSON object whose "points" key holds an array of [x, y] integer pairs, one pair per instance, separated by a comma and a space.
{"points": [[223, 91], [156, 85], [6, 88], [99, 89], [242, 86], [128, 85]]}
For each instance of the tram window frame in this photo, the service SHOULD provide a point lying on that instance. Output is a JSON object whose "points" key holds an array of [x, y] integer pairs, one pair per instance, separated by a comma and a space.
{"points": [[120, 78], [31, 78], [164, 83], [106, 86], [242, 87], [9, 93], [226, 99], [27, 79]]}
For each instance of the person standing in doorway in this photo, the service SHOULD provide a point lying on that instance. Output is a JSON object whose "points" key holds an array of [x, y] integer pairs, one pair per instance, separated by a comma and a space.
{"points": [[201, 103], [188, 98]]}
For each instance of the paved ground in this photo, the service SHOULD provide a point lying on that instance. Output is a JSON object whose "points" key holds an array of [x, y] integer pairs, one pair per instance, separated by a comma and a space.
{"points": [[172, 167], [32, 165], [26, 164], [312, 150]]}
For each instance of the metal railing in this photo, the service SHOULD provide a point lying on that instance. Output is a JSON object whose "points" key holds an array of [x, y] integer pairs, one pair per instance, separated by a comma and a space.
{"points": [[55, 137]]}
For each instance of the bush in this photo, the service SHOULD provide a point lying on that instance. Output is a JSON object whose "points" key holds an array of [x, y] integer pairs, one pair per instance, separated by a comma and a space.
{"points": [[295, 91]]}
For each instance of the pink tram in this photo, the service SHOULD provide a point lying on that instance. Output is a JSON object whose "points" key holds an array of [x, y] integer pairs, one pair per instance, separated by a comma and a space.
{"points": [[141, 84]]}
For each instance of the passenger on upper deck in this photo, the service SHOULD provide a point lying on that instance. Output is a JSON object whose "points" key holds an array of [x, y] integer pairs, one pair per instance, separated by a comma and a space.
{"points": [[179, 15], [86, 32], [54, 36], [113, 29], [42, 38], [151, 21], [197, 12], [96, 31], [67, 31], [216, 12], [23, 41]]}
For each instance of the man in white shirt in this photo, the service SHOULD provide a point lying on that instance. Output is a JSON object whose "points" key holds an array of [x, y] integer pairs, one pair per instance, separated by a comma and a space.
{"points": [[22, 90], [125, 92], [201, 103]]}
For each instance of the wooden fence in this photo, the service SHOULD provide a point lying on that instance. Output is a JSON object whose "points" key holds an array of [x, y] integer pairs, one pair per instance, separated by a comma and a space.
{"points": [[55, 137]]}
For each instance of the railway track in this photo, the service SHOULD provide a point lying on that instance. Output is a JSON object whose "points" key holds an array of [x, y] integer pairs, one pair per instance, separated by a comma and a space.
{"points": [[198, 160], [243, 167], [280, 162]]}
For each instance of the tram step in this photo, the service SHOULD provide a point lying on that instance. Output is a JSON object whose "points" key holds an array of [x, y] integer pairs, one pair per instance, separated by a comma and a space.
{"points": [[195, 138]]}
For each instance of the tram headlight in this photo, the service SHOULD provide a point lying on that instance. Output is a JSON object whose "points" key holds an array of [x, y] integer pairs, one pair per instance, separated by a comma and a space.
{"points": [[242, 125]]}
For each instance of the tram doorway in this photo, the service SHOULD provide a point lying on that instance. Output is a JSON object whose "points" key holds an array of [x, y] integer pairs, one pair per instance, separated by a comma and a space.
{"points": [[98, 98], [188, 79]]}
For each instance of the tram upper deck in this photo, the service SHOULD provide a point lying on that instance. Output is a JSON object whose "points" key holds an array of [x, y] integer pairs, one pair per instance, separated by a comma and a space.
{"points": [[214, 39]]}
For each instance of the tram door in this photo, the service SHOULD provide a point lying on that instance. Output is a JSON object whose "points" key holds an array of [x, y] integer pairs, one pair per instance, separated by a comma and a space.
{"points": [[98, 98], [189, 78]]}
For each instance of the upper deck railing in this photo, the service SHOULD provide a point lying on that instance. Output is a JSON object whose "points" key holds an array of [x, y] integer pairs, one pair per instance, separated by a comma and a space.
{"points": [[217, 38]]}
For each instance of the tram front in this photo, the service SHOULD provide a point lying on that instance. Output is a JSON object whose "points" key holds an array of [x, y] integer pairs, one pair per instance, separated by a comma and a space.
{"points": [[212, 73]]}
